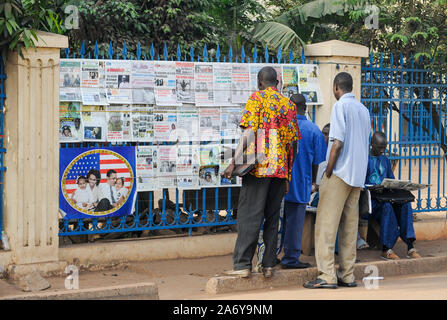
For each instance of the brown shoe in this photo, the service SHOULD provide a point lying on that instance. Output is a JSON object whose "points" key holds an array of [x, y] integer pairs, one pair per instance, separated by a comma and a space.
{"points": [[245, 273], [413, 254], [389, 255], [268, 272]]}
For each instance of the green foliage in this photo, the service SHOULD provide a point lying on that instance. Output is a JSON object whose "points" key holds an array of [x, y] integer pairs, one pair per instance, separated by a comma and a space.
{"points": [[19, 21]]}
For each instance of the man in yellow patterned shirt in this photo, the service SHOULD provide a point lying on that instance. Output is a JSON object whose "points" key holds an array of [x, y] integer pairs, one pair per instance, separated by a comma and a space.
{"points": [[271, 120]]}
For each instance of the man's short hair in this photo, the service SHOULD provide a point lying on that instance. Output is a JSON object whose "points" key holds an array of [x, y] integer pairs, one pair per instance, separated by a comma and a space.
{"points": [[299, 100], [343, 81], [327, 126], [267, 75], [378, 134], [109, 173]]}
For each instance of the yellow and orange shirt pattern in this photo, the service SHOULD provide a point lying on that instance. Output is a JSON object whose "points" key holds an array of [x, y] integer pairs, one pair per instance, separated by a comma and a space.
{"points": [[273, 118]]}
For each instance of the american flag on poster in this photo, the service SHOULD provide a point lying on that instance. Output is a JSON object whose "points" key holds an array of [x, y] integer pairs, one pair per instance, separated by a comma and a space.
{"points": [[77, 162], [101, 162]]}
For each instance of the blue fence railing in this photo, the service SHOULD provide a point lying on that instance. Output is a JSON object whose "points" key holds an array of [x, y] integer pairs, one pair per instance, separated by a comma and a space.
{"points": [[207, 207], [408, 102]]}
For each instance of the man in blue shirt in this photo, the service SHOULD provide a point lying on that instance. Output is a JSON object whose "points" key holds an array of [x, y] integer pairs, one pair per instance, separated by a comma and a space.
{"points": [[395, 219], [338, 207], [311, 152]]}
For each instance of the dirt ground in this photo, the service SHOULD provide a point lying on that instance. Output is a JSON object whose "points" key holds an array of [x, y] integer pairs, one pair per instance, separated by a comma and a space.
{"points": [[181, 279]]}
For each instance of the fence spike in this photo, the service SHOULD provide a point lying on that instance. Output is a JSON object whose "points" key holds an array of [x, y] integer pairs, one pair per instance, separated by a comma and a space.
{"points": [[412, 60], [381, 59], [152, 52], [401, 60], [67, 53], [371, 59], [89, 55], [242, 54], [303, 55], [218, 53], [225, 59], [131, 56], [230, 54], [236, 60], [248, 59], [266, 54], [279, 55], [96, 50], [138, 51], [255, 55], [82, 49], [179, 53], [124, 54], [291, 56], [191, 53], [205, 53], [110, 50], [165, 52], [158, 57], [74, 55]]}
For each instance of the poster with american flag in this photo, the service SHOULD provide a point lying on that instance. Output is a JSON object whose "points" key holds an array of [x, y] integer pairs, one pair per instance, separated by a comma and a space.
{"points": [[97, 182]]}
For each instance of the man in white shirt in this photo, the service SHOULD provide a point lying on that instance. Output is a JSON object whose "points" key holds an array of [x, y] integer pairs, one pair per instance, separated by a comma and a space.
{"points": [[110, 196], [347, 160]]}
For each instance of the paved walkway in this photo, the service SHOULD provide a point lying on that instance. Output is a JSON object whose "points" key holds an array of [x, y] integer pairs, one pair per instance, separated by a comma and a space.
{"points": [[186, 278]]}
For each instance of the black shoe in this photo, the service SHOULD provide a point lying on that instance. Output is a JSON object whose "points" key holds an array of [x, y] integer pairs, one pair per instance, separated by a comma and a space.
{"points": [[267, 272], [299, 265], [277, 261], [344, 284], [319, 284]]}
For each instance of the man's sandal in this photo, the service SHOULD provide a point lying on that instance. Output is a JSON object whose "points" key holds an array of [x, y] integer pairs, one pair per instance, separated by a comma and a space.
{"points": [[319, 284]]}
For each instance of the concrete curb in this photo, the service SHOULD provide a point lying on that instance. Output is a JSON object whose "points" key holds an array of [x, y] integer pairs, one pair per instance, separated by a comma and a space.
{"points": [[147, 291], [287, 278]]}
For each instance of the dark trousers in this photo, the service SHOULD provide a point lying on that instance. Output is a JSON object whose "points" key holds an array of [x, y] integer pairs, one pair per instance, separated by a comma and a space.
{"points": [[103, 205], [260, 198], [294, 214]]}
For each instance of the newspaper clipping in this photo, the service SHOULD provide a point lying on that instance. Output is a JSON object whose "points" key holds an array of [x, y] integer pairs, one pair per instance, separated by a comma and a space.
{"points": [[230, 119], [222, 84], [118, 123], [165, 124], [188, 123], [70, 80], [165, 83], [184, 75], [94, 123], [142, 123], [209, 165], [146, 171], [290, 80], [227, 150], [188, 166], [204, 84], [142, 82], [209, 124], [240, 87], [309, 85], [70, 122]]}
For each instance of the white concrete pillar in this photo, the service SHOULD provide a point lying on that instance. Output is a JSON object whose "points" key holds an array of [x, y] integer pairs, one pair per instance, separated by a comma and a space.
{"points": [[333, 57], [31, 190]]}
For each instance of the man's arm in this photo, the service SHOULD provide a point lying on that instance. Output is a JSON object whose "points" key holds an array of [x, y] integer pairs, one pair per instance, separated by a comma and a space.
{"points": [[337, 145]]}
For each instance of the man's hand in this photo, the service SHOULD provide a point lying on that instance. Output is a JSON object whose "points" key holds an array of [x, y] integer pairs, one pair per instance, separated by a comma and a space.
{"points": [[228, 173], [328, 173]]}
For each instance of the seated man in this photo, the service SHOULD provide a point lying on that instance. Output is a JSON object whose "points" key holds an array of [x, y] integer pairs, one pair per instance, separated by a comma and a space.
{"points": [[395, 219]]}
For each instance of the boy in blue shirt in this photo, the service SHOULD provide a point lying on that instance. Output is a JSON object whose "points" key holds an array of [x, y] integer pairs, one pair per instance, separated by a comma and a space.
{"points": [[311, 152], [395, 219]]}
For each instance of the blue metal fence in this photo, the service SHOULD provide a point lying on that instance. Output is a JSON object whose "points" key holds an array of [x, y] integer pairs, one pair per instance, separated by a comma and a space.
{"points": [[408, 102], [207, 207]]}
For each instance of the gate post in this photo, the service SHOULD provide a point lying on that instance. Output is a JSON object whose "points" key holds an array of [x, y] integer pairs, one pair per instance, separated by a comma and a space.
{"points": [[333, 57], [31, 184]]}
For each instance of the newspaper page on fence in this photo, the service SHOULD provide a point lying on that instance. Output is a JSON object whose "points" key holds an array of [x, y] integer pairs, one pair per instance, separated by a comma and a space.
{"points": [[142, 82], [240, 87], [90, 73], [227, 150], [142, 123], [254, 70], [209, 124], [209, 165], [94, 123], [165, 124], [70, 80], [222, 84], [94, 96], [188, 123], [188, 166], [289, 80], [118, 123], [230, 119], [309, 84], [167, 167], [70, 122], [184, 75], [203, 81], [165, 83], [146, 171]]}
